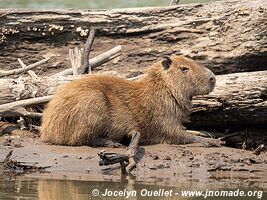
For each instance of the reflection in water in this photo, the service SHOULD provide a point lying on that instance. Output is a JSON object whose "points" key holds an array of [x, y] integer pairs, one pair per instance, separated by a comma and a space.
{"points": [[87, 3], [18, 188]]}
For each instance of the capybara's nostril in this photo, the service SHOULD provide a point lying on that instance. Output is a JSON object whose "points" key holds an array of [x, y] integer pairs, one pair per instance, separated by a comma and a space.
{"points": [[212, 79]]}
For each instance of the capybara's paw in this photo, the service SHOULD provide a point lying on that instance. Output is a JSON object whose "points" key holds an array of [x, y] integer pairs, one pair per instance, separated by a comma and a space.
{"points": [[112, 144], [212, 142]]}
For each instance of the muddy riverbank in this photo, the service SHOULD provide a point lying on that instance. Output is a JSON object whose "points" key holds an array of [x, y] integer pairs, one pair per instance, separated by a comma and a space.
{"points": [[187, 166]]}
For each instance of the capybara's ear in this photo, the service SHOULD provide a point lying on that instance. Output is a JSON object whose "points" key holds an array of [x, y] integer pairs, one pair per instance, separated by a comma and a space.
{"points": [[166, 63]]}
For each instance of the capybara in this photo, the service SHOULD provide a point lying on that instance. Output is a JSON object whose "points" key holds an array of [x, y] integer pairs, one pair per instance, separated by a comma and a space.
{"points": [[99, 108]]}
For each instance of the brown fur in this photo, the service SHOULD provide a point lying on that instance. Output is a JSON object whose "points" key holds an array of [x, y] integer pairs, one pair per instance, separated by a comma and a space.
{"points": [[97, 106]]}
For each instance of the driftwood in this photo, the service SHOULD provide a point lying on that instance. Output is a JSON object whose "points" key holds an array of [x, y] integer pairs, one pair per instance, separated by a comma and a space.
{"points": [[79, 58], [95, 62], [238, 98], [15, 109], [23, 69], [226, 36], [259, 149], [85, 67], [25, 88], [9, 166]]}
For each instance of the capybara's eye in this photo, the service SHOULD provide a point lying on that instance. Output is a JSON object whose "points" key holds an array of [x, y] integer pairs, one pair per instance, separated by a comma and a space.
{"points": [[184, 69]]}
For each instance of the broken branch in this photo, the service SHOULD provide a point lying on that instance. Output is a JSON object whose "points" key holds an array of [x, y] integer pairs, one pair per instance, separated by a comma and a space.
{"points": [[85, 67], [17, 112], [23, 69], [75, 56], [94, 62], [26, 102]]}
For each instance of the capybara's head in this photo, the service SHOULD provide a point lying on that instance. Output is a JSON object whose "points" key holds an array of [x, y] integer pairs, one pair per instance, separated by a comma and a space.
{"points": [[187, 78]]}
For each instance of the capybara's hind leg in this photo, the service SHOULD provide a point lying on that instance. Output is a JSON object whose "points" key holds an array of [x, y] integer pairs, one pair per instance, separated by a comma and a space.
{"points": [[112, 158], [106, 142], [197, 137]]}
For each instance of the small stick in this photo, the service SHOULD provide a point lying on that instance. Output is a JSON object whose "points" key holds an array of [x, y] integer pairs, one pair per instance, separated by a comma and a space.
{"points": [[259, 149], [8, 156], [33, 75], [21, 63], [33, 127], [26, 102], [23, 69], [229, 135]]}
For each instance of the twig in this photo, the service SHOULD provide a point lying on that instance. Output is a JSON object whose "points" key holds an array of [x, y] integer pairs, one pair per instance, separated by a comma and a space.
{"points": [[30, 72], [259, 149], [26, 102], [105, 57], [8, 156], [33, 127], [94, 62], [33, 75], [87, 49], [21, 63], [229, 135], [23, 69]]}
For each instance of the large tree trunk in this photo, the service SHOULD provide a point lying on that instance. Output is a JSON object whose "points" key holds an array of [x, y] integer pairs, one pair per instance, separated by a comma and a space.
{"points": [[226, 36], [238, 98]]}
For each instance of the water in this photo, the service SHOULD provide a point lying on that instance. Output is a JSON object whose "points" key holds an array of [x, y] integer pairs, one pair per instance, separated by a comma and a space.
{"points": [[87, 4], [45, 189]]}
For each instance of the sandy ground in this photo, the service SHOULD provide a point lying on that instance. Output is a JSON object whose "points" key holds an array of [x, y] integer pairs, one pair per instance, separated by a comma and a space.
{"points": [[193, 165]]}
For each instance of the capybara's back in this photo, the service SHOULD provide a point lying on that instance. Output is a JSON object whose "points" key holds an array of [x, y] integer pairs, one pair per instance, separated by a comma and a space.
{"points": [[85, 111]]}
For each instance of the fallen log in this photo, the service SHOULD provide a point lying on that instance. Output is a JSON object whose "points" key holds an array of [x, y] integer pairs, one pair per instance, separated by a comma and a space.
{"points": [[226, 36], [26, 87], [239, 98]]}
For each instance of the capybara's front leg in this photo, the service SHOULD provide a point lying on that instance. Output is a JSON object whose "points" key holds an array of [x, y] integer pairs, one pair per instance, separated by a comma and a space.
{"points": [[112, 158]]}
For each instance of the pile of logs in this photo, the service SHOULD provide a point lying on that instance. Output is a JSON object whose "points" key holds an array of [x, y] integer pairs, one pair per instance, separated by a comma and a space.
{"points": [[37, 90], [229, 37]]}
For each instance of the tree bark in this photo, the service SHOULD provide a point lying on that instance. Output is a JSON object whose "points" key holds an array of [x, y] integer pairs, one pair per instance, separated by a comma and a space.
{"points": [[26, 87], [226, 36], [239, 98]]}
